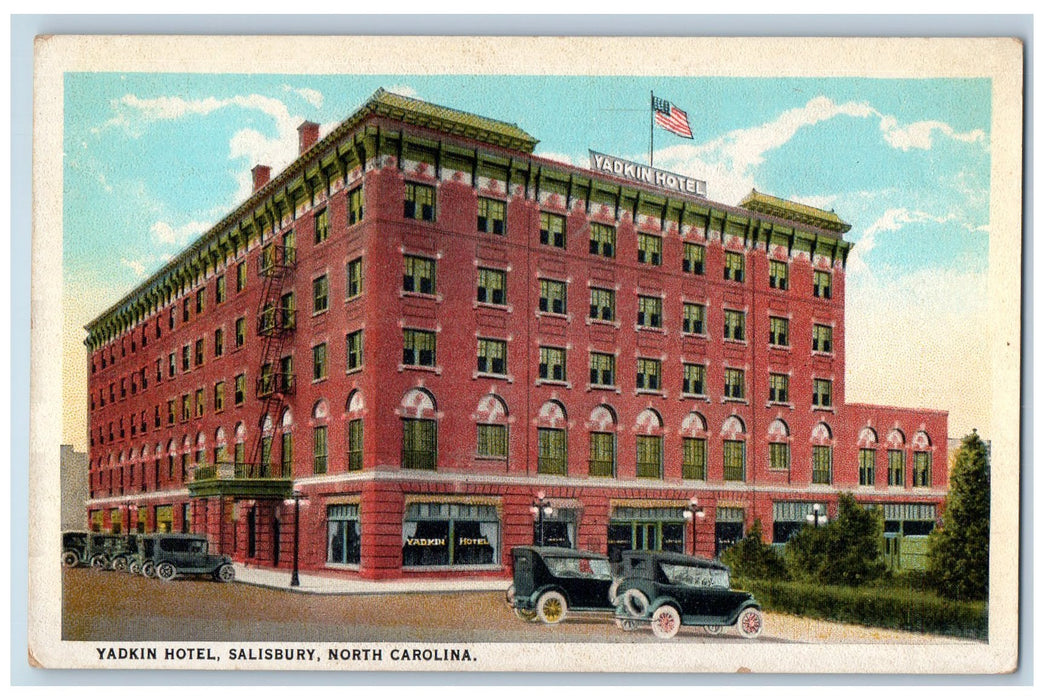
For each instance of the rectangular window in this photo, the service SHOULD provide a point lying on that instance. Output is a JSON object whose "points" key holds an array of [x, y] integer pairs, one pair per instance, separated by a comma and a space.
{"points": [[867, 465], [418, 348], [419, 275], [355, 445], [650, 249], [241, 276], [186, 406], [354, 273], [219, 342], [602, 461], [492, 356], [322, 226], [734, 384], [159, 371], [603, 304], [821, 284], [219, 397], [420, 202], [779, 331], [735, 325], [822, 338], [492, 286], [896, 468], [419, 444], [201, 295], [552, 296], [286, 374], [692, 258], [492, 441], [171, 408], [200, 400], [552, 364], [822, 393], [240, 389], [551, 451], [779, 388], [240, 332], [649, 460], [199, 352], [219, 289], [650, 312], [694, 458], [354, 343], [186, 308], [694, 319], [922, 469], [734, 264], [186, 357], [343, 539], [355, 206], [734, 459], [603, 240], [648, 374], [603, 369], [491, 216], [319, 449], [822, 464], [694, 379], [778, 274], [779, 455], [320, 294], [552, 230], [319, 362]]}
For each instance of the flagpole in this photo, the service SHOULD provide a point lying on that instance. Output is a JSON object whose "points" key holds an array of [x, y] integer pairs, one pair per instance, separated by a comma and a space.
{"points": [[651, 111]]}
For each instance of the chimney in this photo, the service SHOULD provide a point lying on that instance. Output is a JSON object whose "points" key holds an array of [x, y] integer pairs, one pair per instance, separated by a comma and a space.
{"points": [[261, 174], [308, 134]]}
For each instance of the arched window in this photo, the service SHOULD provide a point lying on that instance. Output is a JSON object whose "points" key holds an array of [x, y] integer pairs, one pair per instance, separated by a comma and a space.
{"points": [[734, 449], [694, 446], [220, 446], [286, 444], [602, 427], [896, 458], [867, 443], [201, 448], [779, 445], [492, 432], [649, 445], [419, 430], [320, 446], [922, 459], [552, 455], [354, 408], [822, 454], [240, 445]]}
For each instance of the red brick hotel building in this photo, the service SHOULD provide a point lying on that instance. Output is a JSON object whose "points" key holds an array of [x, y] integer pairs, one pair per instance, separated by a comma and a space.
{"points": [[419, 327]]}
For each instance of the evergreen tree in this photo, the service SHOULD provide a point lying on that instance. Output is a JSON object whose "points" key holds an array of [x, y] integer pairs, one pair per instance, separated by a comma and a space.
{"points": [[846, 551], [958, 553], [752, 558]]}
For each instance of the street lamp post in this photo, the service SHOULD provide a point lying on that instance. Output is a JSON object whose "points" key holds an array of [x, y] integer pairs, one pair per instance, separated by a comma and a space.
{"points": [[541, 507], [297, 497], [694, 512], [818, 516]]}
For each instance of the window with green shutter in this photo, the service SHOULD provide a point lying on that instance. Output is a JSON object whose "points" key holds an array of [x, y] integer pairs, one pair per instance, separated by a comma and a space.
{"points": [[492, 441], [602, 460], [603, 240], [419, 444], [552, 229], [650, 249], [822, 464], [551, 451], [649, 460], [319, 449], [355, 445], [491, 216], [694, 458], [734, 460], [419, 203], [692, 258]]}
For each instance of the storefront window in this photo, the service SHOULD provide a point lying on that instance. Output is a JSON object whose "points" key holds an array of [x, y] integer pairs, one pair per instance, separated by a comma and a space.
{"points": [[342, 534], [450, 534], [660, 529]]}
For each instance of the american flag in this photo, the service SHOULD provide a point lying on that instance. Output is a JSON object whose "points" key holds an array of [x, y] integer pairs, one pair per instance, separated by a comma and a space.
{"points": [[671, 118]]}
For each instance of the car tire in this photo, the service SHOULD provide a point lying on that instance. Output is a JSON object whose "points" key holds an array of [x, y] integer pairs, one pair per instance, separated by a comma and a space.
{"points": [[119, 564], [134, 567], [509, 596], [714, 629], [99, 562], [551, 608], [148, 570], [627, 625], [526, 615], [70, 559], [166, 571], [613, 589], [751, 623], [225, 573], [665, 622], [635, 602]]}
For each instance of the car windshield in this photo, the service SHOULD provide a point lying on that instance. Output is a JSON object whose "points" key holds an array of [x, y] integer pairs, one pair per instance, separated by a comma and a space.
{"points": [[578, 567], [698, 576]]}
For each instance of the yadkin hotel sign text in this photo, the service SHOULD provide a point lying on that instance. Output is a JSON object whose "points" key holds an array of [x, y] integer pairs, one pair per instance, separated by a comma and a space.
{"points": [[611, 165]]}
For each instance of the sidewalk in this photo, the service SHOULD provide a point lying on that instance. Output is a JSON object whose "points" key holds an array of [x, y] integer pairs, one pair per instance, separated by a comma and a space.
{"points": [[335, 585]]}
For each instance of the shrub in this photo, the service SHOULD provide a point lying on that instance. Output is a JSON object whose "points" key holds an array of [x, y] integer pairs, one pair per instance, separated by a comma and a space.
{"points": [[845, 551], [752, 558]]}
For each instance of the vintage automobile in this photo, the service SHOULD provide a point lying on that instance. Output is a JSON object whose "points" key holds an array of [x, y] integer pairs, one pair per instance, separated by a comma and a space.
{"points": [[90, 548], [140, 562], [121, 556], [75, 548], [550, 582], [174, 555], [667, 591]]}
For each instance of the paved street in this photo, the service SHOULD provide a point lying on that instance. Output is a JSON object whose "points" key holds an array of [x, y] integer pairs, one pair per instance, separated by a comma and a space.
{"points": [[111, 606]]}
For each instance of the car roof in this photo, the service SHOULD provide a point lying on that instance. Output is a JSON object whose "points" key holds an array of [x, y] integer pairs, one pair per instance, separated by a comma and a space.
{"points": [[563, 552], [675, 558], [180, 536]]}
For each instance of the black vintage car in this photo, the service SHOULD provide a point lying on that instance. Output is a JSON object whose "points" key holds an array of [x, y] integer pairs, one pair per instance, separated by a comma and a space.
{"points": [[668, 590], [75, 549], [121, 555], [140, 562], [175, 555], [549, 582], [96, 549]]}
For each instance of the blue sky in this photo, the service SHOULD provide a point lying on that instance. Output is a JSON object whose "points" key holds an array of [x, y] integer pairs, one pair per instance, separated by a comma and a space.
{"points": [[151, 160]]}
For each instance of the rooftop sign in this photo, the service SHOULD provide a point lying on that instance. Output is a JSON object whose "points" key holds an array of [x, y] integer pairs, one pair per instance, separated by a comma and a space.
{"points": [[629, 170]]}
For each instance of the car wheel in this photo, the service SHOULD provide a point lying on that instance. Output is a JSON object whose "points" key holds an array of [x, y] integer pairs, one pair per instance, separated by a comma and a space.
{"points": [[509, 596], [134, 567], [148, 570], [551, 608], [225, 573], [627, 625], [635, 602], [612, 591], [665, 622], [70, 559], [119, 564], [99, 562], [166, 571], [714, 629], [751, 623], [526, 615]]}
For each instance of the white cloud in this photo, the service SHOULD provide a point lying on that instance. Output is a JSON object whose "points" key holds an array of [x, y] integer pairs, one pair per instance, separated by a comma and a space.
{"points": [[895, 219], [405, 91], [136, 266], [165, 234], [919, 134], [312, 97]]}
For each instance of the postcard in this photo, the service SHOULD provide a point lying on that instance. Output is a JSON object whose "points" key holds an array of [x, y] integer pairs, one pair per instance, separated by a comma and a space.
{"points": [[526, 354]]}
